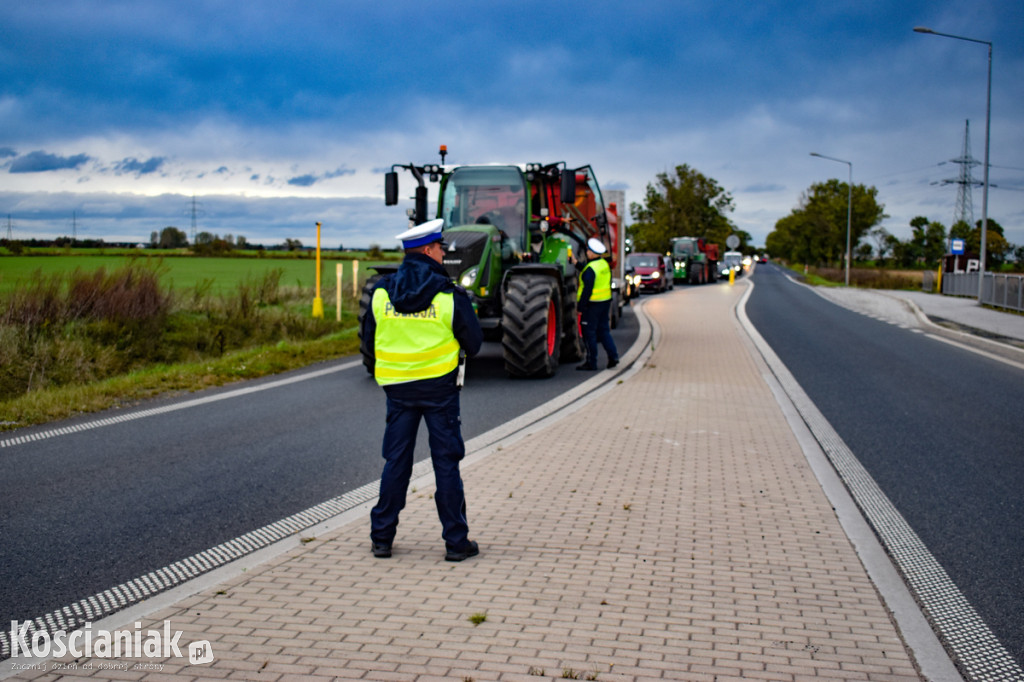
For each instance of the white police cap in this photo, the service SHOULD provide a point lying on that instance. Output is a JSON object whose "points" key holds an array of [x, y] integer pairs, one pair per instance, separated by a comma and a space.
{"points": [[423, 234], [596, 245]]}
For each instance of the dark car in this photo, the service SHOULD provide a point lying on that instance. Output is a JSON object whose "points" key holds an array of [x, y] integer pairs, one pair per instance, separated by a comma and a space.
{"points": [[653, 270]]}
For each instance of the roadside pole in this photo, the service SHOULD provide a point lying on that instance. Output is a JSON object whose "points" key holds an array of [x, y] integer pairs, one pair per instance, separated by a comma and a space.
{"points": [[338, 271], [318, 303]]}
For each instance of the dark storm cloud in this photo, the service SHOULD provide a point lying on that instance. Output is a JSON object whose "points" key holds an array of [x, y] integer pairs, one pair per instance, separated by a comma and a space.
{"points": [[40, 162], [308, 180], [339, 173], [137, 167], [303, 181]]}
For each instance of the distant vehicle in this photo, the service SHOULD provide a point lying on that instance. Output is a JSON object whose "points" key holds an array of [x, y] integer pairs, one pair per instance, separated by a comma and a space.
{"points": [[694, 260], [653, 270], [733, 260], [631, 282]]}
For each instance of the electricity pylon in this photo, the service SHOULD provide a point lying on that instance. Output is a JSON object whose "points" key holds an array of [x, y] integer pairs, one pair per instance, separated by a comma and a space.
{"points": [[964, 210], [196, 212]]}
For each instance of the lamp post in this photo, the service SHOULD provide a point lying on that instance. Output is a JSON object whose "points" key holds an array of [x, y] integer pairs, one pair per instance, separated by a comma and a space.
{"points": [[988, 125], [849, 208]]}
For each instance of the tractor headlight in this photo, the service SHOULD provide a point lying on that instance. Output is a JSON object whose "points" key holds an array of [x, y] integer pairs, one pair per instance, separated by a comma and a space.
{"points": [[469, 276]]}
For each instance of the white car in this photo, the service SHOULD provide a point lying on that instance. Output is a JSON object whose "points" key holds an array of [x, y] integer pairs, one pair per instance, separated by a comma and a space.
{"points": [[732, 260]]}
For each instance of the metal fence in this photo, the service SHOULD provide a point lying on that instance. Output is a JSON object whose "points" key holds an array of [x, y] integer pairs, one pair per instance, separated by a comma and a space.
{"points": [[1003, 291]]}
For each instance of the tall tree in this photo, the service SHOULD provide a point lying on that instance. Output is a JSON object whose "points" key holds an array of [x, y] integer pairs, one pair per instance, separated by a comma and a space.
{"points": [[815, 231], [884, 241], [1018, 258], [929, 240], [996, 246], [685, 204], [172, 238]]}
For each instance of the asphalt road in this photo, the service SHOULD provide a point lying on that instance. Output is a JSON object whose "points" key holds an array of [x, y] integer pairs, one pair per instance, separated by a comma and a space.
{"points": [[83, 512], [939, 428]]}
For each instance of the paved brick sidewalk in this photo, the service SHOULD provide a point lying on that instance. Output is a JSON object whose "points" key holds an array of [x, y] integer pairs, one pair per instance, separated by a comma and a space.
{"points": [[669, 529]]}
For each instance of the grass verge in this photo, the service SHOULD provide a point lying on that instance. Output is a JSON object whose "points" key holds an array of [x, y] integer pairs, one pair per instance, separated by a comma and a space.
{"points": [[41, 406], [863, 278]]}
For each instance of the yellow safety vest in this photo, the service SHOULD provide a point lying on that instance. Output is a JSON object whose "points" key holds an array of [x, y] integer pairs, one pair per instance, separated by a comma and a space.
{"points": [[413, 346], [602, 281]]}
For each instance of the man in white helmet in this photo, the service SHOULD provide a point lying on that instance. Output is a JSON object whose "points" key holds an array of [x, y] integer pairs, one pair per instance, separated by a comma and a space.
{"points": [[594, 299]]}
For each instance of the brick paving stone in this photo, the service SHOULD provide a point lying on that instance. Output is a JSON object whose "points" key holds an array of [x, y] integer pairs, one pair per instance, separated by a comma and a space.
{"points": [[671, 528]]}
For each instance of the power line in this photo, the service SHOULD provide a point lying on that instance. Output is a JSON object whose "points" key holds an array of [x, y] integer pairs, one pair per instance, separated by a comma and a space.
{"points": [[875, 178]]}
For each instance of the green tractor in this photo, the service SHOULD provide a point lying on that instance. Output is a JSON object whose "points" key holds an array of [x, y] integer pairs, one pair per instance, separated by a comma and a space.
{"points": [[695, 260], [511, 231]]}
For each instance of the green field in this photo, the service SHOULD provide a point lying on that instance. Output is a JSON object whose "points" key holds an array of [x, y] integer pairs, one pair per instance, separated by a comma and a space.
{"points": [[67, 348], [181, 273]]}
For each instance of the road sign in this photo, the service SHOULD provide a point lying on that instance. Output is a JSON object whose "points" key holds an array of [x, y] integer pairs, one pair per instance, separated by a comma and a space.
{"points": [[732, 241], [957, 246]]}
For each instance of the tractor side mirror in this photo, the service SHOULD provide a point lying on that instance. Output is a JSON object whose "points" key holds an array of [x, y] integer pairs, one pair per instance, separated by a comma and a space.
{"points": [[568, 193], [421, 205], [390, 188]]}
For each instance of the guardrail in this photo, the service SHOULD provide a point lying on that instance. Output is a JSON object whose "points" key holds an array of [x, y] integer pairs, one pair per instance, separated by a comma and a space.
{"points": [[1003, 291]]}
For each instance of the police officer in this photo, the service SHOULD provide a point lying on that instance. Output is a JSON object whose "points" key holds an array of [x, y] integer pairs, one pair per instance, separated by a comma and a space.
{"points": [[416, 326], [594, 298]]}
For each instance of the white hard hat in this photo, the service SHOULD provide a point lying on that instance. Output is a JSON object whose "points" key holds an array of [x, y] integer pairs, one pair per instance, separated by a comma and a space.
{"points": [[596, 245], [423, 234]]}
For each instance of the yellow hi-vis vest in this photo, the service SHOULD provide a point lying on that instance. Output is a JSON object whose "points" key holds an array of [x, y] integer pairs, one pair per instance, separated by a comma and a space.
{"points": [[602, 281], [413, 346]]}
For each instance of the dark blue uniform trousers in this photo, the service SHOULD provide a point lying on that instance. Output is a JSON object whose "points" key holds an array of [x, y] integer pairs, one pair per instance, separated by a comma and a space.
{"points": [[446, 451], [594, 324]]}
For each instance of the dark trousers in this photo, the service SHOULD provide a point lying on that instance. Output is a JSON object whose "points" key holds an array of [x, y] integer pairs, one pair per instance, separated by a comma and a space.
{"points": [[594, 321], [446, 451]]}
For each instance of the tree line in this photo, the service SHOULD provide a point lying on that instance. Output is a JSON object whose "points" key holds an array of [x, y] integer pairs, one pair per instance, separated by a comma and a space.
{"points": [[814, 233], [687, 203], [206, 243]]}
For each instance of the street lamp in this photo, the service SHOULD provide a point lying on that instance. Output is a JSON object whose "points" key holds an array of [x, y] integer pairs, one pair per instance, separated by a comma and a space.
{"points": [[849, 208], [988, 124]]}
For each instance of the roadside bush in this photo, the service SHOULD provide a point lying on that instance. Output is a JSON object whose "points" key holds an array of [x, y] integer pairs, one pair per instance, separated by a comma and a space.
{"points": [[128, 295], [80, 327], [872, 279]]}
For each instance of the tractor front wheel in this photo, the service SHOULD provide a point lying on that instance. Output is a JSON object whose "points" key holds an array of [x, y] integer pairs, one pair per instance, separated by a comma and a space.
{"points": [[531, 327]]}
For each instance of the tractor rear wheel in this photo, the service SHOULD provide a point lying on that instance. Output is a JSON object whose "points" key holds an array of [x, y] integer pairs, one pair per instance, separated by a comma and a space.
{"points": [[364, 304], [531, 326]]}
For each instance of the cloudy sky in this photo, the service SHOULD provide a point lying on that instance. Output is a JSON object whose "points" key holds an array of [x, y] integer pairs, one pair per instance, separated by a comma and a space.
{"points": [[276, 114]]}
